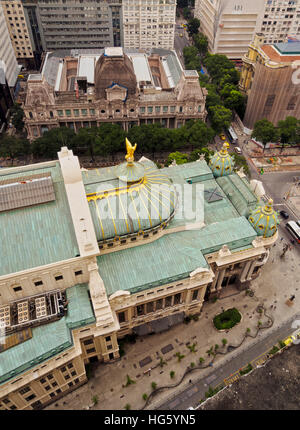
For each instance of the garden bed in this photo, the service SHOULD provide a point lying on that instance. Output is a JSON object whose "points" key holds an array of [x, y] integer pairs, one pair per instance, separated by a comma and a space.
{"points": [[227, 319]]}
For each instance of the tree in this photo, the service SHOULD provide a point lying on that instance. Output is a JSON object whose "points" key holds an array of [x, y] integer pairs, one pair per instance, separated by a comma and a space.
{"points": [[235, 101], [220, 117], [201, 43], [264, 131], [198, 133], [12, 147], [51, 142], [17, 117], [220, 67], [288, 130], [186, 13], [109, 139], [193, 26], [179, 157], [85, 140]]}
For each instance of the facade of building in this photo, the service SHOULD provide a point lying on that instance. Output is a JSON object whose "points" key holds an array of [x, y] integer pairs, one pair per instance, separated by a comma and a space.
{"points": [[270, 79], [7, 55], [74, 24], [149, 24], [118, 251], [231, 26], [19, 32], [84, 90], [5, 100]]}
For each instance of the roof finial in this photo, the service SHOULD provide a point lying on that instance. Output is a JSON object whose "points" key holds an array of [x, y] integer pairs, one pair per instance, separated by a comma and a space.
{"points": [[224, 148], [129, 157]]}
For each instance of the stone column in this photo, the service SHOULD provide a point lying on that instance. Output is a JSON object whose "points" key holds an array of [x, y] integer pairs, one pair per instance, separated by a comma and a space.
{"points": [[251, 270], [245, 271], [220, 279]]}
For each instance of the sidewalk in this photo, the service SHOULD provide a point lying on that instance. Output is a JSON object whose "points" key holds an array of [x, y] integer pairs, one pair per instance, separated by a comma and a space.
{"points": [[279, 280]]}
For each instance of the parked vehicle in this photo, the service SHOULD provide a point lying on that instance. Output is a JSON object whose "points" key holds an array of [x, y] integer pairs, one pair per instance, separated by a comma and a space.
{"points": [[284, 214], [238, 150]]}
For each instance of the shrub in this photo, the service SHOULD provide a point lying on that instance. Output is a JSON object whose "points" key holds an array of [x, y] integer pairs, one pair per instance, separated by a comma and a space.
{"points": [[192, 348], [187, 319], [281, 344], [192, 364], [246, 369], [179, 356], [201, 360], [145, 396], [224, 341], [95, 399], [216, 347], [172, 374], [129, 381], [162, 362], [274, 350], [227, 319], [153, 385], [259, 323], [127, 406], [248, 330]]}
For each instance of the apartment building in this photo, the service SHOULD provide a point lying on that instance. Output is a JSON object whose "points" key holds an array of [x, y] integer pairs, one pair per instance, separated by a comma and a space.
{"points": [[270, 79], [19, 33], [7, 54], [149, 23], [230, 25], [71, 24]]}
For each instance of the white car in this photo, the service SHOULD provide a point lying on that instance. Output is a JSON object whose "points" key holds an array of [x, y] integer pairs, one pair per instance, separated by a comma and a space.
{"points": [[238, 150]]}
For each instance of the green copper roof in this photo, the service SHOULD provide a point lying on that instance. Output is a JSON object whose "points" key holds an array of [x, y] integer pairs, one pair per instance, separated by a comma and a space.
{"points": [[37, 235], [49, 339], [170, 258], [238, 193]]}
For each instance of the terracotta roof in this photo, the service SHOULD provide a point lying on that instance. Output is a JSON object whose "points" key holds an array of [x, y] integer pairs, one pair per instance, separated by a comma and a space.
{"points": [[275, 56]]}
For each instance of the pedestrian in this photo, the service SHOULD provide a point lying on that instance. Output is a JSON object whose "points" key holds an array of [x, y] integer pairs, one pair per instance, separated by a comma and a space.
{"points": [[281, 239], [292, 298]]}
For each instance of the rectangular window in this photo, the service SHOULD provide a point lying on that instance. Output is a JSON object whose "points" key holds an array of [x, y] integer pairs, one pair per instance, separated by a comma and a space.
{"points": [[150, 109], [24, 390], [172, 109], [88, 342], [142, 110], [37, 283], [168, 301], [68, 112], [177, 299], [31, 397], [195, 295], [63, 369], [165, 109], [90, 350], [121, 316], [73, 373], [150, 307], [60, 113], [76, 112], [67, 377], [16, 289], [140, 310], [84, 112], [108, 339], [157, 109], [59, 278], [92, 111], [79, 272], [159, 304], [70, 366]]}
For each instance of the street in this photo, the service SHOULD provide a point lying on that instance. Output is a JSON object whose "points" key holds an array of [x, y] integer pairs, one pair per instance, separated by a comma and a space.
{"points": [[180, 42], [191, 396]]}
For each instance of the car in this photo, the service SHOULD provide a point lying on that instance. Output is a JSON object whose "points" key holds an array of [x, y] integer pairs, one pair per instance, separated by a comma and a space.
{"points": [[284, 214], [181, 35], [222, 136], [238, 150], [298, 222]]}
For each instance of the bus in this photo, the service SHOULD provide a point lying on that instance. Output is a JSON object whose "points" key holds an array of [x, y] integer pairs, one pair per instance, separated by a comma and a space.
{"points": [[294, 230], [232, 137]]}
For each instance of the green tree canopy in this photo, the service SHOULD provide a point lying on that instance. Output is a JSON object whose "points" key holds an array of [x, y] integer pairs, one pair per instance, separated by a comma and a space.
{"points": [[288, 130], [17, 117], [179, 157], [201, 43], [193, 26], [220, 117], [50, 143], [12, 147], [264, 131]]}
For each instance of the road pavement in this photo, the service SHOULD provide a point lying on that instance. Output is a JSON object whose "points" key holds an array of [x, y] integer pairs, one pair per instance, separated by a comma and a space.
{"points": [[255, 354]]}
